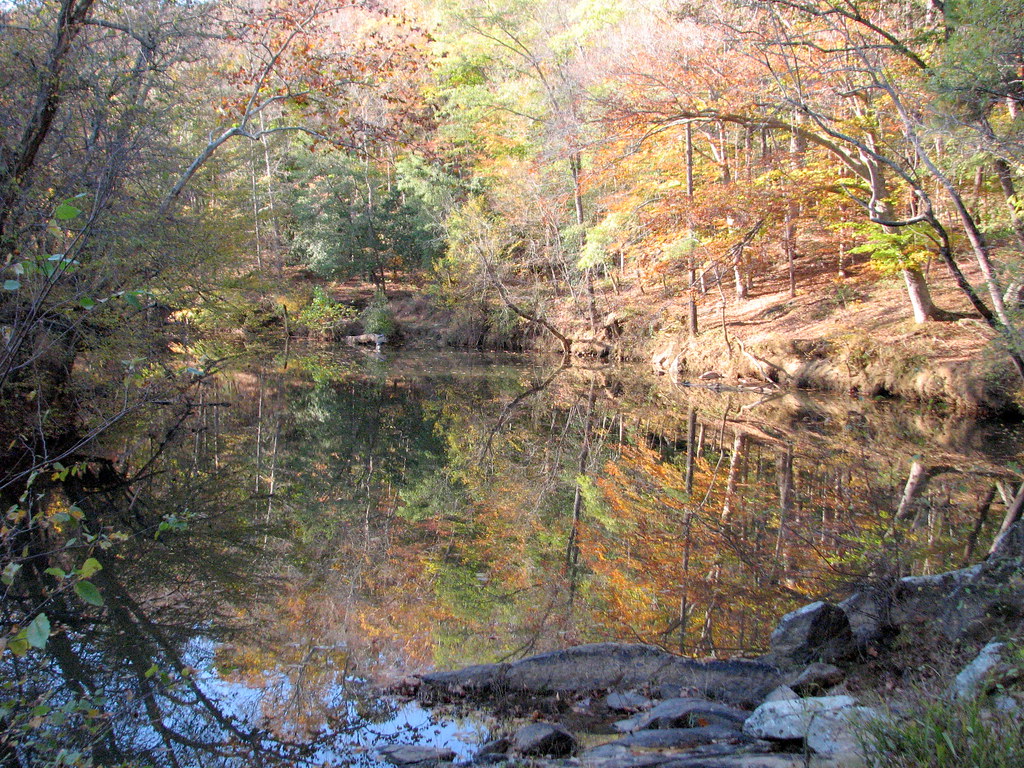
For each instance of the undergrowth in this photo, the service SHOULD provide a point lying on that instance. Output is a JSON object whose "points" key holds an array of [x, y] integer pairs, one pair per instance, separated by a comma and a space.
{"points": [[947, 734]]}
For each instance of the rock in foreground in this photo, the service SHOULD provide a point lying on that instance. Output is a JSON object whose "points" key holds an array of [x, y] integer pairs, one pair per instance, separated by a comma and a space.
{"points": [[605, 666]]}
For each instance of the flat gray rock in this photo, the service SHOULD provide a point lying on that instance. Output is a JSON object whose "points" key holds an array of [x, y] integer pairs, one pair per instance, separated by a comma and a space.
{"points": [[618, 756], [681, 738], [685, 713], [741, 761], [621, 757], [410, 754], [627, 702], [605, 666]]}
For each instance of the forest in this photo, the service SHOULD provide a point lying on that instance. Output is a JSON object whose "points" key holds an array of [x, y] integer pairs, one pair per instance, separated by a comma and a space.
{"points": [[763, 194], [572, 172]]}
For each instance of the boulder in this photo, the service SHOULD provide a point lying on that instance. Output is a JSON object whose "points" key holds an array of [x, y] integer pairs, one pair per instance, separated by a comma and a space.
{"points": [[992, 667], [840, 732], [832, 727], [410, 754], [685, 713], [986, 601], [972, 603], [544, 740], [782, 693], [816, 679], [816, 632], [789, 720], [869, 614], [494, 747]]}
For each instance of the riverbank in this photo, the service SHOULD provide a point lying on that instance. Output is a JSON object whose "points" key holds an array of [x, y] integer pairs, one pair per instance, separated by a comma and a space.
{"points": [[849, 332], [860, 683]]}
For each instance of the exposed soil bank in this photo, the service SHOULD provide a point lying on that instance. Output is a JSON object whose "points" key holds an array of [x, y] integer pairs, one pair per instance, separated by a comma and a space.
{"points": [[852, 334], [856, 365], [948, 364]]}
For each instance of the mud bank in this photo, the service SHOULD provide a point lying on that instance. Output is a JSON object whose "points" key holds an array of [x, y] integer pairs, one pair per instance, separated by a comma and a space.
{"points": [[854, 364]]}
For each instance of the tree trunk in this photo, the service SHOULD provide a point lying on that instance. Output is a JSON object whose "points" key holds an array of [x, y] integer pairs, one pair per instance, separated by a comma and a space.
{"points": [[689, 160], [920, 297], [916, 481], [739, 446], [691, 316]]}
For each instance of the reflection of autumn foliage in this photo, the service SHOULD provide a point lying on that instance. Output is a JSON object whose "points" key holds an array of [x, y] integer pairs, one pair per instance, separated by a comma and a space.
{"points": [[444, 527], [666, 565], [672, 563]]}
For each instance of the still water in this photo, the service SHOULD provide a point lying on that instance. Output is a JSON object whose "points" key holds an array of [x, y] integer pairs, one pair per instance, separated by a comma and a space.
{"points": [[323, 521]]}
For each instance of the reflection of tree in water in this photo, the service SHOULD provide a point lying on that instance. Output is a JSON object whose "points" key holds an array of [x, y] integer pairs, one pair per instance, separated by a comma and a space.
{"points": [[316, 532], [692, 527], [139, 680]]}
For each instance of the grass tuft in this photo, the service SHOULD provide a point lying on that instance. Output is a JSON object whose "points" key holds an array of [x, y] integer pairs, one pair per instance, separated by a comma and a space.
{"points": [[947, 734]]}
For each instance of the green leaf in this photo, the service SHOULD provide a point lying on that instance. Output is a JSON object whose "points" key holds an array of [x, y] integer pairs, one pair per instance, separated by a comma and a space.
{"points": [[86, 303], [10, 572], [66, 212], [11, 285], [151, 671], [132, 298], [88, 592], [57, 573], [89, 567], [38, 631], [19, 644]]}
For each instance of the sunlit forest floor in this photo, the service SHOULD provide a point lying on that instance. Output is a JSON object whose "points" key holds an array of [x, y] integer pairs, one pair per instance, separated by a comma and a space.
{"points": [[858, 321]]}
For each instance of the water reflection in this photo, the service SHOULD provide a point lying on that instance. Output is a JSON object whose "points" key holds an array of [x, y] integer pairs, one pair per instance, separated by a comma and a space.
{"points": [[320, 521]]}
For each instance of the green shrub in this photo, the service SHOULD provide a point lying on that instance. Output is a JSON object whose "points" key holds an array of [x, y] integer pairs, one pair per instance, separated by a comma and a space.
{"points": [[322, 312], [378, 317], [946, 734]]}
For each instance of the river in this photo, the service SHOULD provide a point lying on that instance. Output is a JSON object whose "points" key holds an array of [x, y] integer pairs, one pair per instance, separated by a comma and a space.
{"points": [[322, 521]]}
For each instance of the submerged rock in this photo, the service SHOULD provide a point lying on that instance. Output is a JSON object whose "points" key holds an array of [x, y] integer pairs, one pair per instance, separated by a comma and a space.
{"points": [[410, 754]]}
